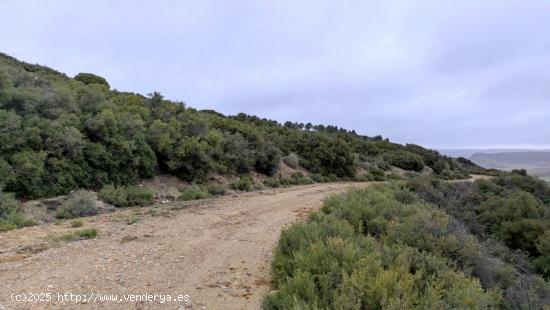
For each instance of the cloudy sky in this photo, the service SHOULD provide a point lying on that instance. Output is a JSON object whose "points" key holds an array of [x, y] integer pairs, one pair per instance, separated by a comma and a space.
{"points": [[445, 74]]}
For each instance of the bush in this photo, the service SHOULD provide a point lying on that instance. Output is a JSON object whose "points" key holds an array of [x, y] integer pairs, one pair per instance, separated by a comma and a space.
{"points": [[516, 219], [138, 196], [267, 159], [405, 196], [298, 178], [6, 174], [333, 261], [83, 234], [319, 178], [78, 204], [89, 78], [114, 195], [216, 190], [272, 182], [292, 160], [405, 160], [77, 223], [377, 174], [501, 216], [126, 196], [194, 192], [244, 183], [10, 213]]}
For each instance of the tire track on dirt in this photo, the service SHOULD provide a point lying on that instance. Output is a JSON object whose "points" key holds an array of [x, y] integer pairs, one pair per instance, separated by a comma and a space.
{"points": [[217, 251]]}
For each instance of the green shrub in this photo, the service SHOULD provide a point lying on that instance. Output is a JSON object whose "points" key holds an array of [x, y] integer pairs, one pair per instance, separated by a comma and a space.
{"points": [[292, 160], [216, 190], [6, 174], [194, 192], [114, 195], [404, 160], [333, 261], [244, 183], [272, 182], [267, 159], [298, 178], [319, 178], [139, 196], [126, 196], [405, 196], [89, 78], [511, 225], [78, 204], [377, 174], [516, 219], [83, 234], [10, 213], [76, 223], [8, 205]]}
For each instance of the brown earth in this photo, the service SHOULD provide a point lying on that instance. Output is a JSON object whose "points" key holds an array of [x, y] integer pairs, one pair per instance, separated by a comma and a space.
{"points": [[216, 251]]}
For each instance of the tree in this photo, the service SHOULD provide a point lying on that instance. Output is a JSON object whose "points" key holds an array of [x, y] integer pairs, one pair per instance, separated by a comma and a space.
{"points": [[404, 160], [6, 174], [29, 170], [267, 159], [89, 78]]}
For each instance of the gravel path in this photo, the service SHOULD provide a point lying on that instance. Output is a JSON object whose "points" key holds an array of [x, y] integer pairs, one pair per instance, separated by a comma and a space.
{"points": [[213, 254]]}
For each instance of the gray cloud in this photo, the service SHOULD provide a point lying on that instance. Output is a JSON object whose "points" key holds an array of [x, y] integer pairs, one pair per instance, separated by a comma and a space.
{"points": [[437, 73]]}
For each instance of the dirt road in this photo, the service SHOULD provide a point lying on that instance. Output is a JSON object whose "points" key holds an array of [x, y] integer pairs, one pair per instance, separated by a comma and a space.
{"points": [[216, 252]]}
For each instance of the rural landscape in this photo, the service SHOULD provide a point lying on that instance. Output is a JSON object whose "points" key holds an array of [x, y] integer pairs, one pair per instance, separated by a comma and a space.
{"points": [[274, 155], [105, 191]]}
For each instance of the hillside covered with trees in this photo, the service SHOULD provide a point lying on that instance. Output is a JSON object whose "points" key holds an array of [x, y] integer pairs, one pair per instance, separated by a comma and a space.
{"points": [[59, 133]]}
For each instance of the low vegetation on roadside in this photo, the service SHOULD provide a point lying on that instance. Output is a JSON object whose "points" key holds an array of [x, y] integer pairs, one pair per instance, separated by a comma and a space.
{"points": [[195, 192], [513, 208], [126, 196], [76, 223], [78, 204], [82, 234], [11, 216], [244, 183], [389, 247]]}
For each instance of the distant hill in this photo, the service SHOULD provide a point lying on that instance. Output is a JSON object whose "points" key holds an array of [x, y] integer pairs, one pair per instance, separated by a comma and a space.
{"points": [[466, 153], [513, 160], [535, 162]]}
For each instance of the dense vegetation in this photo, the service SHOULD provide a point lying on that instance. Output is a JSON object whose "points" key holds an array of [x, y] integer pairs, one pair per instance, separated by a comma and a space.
{"points": [[369, 250], [385, 248], [513, 208], [59, 133]]}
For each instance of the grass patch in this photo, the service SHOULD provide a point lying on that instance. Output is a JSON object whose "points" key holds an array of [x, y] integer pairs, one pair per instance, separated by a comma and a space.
{"points": [[194, 192], [126, 196], [82, 234], [297, 178], [76, 223], [244, 183]]}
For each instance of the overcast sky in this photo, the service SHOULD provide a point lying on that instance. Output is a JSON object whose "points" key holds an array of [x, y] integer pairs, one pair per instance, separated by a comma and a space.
{"points": [[445, 74]]}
